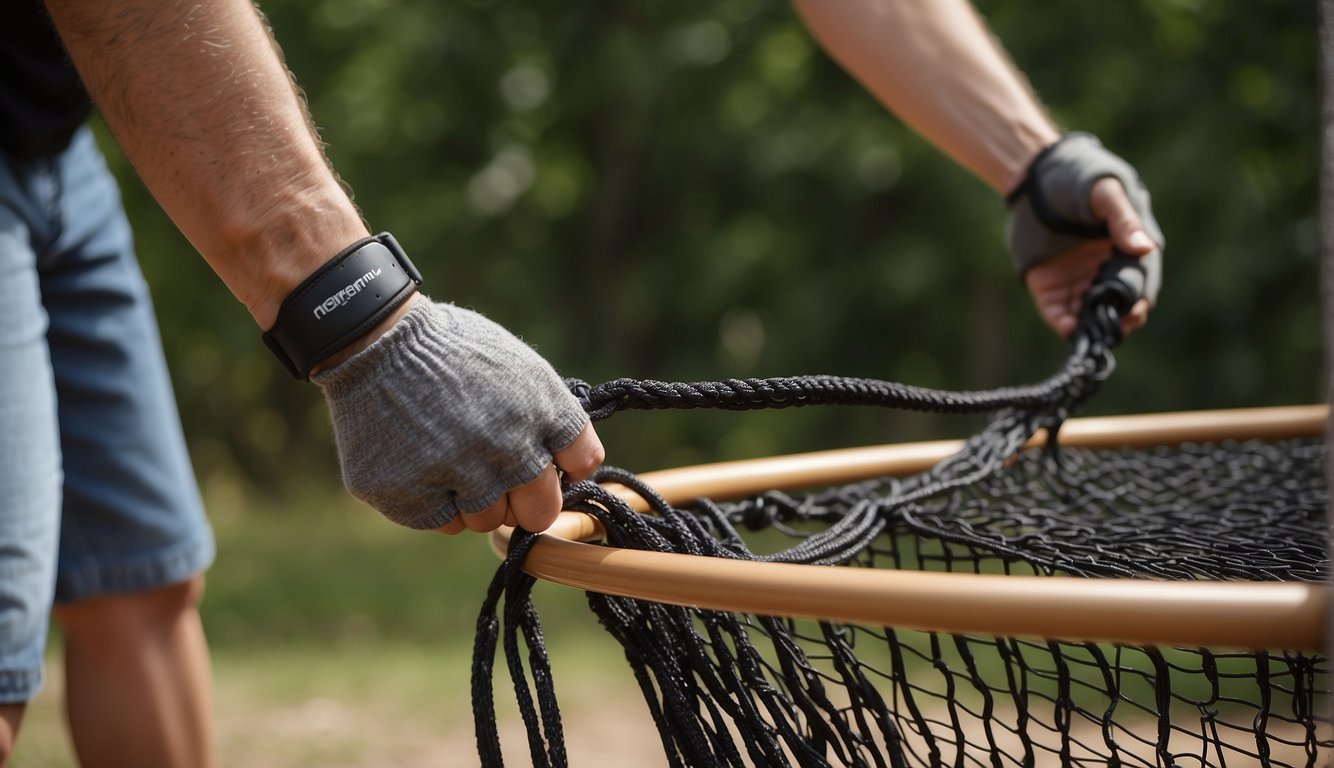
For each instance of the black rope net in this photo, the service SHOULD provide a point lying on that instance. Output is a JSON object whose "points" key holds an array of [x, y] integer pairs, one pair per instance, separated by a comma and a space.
{"points": [[732, 690]]}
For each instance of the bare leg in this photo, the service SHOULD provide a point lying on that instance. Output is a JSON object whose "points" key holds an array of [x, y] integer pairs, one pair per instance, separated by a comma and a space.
{"points": [[10, 717], [137, 678]]}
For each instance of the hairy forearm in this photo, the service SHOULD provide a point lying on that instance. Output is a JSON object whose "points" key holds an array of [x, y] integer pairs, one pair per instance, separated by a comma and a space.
{"points": [[933, 63], [199, 99]]}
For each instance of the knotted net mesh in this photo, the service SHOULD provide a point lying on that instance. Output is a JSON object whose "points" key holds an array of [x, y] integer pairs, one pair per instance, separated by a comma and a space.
{"points": [[732, 689]]}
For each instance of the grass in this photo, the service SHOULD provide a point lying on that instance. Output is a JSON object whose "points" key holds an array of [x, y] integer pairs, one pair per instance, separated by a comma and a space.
{"points": [[332, 570]]}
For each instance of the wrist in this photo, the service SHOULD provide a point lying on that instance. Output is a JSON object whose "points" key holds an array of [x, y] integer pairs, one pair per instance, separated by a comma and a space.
{"points": [[359, 293], [266, 260], [1028, 142], [346, 353]]}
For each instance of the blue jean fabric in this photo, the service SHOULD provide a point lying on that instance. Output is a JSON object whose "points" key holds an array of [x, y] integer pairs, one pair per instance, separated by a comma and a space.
{"points": [[96, 491]]}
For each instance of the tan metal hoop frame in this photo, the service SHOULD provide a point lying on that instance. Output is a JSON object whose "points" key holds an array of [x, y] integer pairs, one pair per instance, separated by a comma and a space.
{"points": [[1243, 615]]}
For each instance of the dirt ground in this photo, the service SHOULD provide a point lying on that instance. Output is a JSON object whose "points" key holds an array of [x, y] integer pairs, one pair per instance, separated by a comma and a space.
{"points": [[277, 714], [606, 730], [263, 720]]}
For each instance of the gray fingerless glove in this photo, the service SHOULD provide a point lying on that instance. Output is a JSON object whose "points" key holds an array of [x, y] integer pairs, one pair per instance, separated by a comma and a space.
{"points": [[443, 414], [1050, 211]]}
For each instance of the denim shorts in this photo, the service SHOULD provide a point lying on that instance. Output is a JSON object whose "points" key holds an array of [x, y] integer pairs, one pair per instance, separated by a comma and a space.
{"points": [[96, 491]]}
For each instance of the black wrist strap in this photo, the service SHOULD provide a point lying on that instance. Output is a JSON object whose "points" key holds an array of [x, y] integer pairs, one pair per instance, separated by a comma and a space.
{"points": [[351, 294]]}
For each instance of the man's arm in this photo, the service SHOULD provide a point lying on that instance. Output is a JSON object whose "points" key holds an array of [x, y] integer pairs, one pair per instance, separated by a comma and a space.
{"points": [[197, 95], [204, 108], [935, 65]]}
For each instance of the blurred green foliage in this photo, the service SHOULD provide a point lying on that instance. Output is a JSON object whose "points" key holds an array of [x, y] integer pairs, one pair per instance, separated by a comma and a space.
{"points": [[324, 570], [695, 191]]}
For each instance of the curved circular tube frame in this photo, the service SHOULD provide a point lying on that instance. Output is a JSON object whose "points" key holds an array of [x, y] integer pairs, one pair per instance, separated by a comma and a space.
{"points": [[1249, 615]]}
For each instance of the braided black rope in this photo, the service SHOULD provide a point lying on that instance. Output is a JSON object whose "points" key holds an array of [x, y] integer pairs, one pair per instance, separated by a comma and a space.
{"points": [[715, 698], [1090, 363]]}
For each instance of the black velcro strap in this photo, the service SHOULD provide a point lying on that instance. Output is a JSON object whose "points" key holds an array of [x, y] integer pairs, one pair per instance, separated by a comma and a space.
{"points": [[342, 301]]}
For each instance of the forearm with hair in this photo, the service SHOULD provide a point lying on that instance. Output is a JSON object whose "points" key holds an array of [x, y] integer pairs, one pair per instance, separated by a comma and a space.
{"points": [[935, 64], [199, 98]]}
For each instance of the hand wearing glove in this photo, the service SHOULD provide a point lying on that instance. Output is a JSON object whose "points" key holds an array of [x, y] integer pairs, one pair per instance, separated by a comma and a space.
{"points": [[450, 422], [444, 415], [1077, 203]]}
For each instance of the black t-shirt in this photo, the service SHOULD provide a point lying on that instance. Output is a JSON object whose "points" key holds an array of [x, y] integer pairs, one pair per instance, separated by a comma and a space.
{"points": [[42, 101]]}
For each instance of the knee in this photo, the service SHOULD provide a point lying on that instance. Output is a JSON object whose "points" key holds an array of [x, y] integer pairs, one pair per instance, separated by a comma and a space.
{"points": [[135, 611]]}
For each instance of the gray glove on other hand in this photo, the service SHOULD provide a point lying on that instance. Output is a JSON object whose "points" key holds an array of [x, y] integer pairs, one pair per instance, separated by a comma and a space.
{"points": [[1050, 211], [444, 414]]}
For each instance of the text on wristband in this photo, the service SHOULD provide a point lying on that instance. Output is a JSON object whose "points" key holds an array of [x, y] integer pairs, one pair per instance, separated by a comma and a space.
{"points": [[346, 293]]}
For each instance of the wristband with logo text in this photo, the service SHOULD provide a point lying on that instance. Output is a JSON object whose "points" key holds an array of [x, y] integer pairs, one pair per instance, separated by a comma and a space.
{"points": [[342, 301]]}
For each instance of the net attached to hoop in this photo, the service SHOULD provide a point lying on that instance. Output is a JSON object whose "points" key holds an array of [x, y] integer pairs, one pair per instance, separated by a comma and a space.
{"points": [[734, 690]]}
